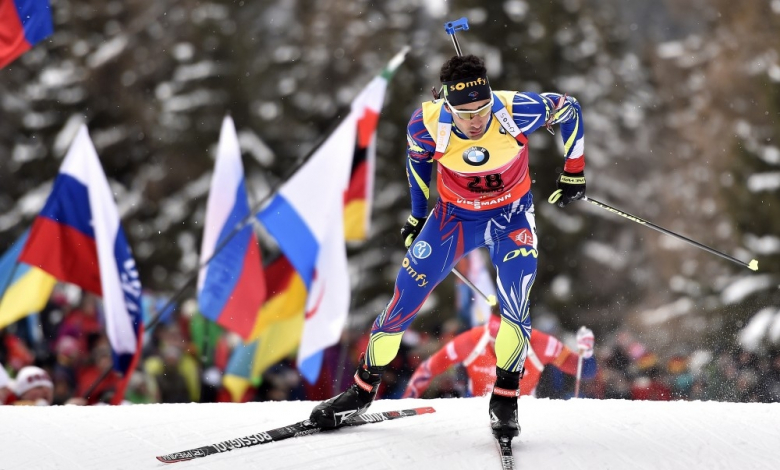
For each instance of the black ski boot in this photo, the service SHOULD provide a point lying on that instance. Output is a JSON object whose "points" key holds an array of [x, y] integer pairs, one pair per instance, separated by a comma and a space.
{"points": [[353, 402], [503, 404]]}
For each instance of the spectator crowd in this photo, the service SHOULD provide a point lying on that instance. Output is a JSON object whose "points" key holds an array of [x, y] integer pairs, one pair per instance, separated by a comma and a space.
{"points": [[61, 356]]}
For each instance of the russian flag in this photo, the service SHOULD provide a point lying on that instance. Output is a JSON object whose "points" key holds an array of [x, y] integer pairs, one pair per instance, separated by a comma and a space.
{"points": [[23, 23], [77, 238], [306, 219], [231, 285]]}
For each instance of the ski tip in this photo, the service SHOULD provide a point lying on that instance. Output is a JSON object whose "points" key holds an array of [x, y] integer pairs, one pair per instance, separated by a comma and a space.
{"points": [[170, 459], [425, 410]]}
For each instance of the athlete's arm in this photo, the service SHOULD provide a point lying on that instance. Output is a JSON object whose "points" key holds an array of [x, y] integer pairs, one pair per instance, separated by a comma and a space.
{"points": [[419, 163], [532, 111], [552, 351]]}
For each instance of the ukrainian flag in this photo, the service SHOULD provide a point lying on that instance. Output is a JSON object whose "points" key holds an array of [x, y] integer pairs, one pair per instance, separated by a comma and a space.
{"points": [[24, 289]]}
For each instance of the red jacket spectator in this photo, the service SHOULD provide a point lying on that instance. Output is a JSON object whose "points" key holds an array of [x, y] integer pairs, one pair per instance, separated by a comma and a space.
{"points": [[474, 348]]}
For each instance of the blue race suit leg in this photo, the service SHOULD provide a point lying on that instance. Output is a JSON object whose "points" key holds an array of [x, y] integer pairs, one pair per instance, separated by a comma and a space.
{"points": [[449, 234]]}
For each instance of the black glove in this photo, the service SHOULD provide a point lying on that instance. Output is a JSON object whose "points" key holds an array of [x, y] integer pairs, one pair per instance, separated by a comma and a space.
{"points": [[411, 229], [571, 186]]}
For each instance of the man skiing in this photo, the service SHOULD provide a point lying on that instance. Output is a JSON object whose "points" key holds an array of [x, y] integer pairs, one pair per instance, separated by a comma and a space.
{"points": [[479, 139], [475, 350]]}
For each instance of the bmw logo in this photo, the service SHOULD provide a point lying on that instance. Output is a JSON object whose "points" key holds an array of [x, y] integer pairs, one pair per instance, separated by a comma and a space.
{"points": [[476, 156], [421, 250]]}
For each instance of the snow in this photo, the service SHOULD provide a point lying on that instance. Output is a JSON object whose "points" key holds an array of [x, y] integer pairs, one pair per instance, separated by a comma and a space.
{"points": [[107, 51], [763, 245], [738, 290], [665, 313], [763, 325], [199, 71], [670, 50], [573, 434], [606, 254], [768, 181], [753, 333]]}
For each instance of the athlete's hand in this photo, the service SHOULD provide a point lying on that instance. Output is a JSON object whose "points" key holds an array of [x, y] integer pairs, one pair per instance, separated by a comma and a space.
{"points": [[571, 186], [411, 229], [585, 341]]}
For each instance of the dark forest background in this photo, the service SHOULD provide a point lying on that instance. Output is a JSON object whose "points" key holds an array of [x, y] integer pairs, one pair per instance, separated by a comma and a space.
{"points": [[681, 102]]}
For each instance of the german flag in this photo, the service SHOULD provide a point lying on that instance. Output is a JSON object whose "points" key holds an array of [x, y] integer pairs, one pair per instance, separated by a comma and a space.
{"points": [[357, 199]]}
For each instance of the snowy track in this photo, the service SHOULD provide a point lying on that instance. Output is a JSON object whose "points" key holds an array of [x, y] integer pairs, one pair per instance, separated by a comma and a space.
{"points": [[575, 434]]}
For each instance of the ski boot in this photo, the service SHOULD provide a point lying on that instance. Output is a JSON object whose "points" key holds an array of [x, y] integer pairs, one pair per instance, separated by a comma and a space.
{"points": [[353, 402], [503, 404]]}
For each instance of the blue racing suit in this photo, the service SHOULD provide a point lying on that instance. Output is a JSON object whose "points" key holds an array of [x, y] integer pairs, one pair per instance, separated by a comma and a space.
{"points": [[484, 201]]}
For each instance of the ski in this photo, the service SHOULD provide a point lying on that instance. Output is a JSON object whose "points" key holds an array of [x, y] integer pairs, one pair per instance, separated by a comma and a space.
{"points": [[302, 428], [505, 450]]}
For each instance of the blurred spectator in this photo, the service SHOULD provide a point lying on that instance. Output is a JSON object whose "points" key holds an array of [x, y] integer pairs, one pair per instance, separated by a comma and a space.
{"points": [[67, 362], [81, 322], [176, 371], [142, 389], [185, 356], [33, 386], [96, 379], [681, 379], [170, 380], [650, 386], [474, 349], [281, 382], [13, 352]]}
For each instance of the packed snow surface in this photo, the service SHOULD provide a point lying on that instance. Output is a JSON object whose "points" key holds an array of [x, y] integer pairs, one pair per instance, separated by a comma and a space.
{"points": [[573, 434]]}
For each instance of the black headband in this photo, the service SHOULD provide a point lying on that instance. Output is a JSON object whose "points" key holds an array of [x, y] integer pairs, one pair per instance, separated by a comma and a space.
{"points": [[467, 90]]}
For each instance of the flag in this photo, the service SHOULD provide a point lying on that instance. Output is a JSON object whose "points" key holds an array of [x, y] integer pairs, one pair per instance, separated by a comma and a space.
{"points": [[238, 375], [367, 106], [306, 218], [23, 23], [277, 332], [231, 287], [25, 289], [77, 238]]}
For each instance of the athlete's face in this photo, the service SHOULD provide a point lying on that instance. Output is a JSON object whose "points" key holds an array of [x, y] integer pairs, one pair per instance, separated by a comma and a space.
{"points": [[472, 118]]}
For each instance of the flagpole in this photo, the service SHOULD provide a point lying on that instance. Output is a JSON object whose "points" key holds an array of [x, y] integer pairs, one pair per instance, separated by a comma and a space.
{"points": [[334, 123], [238, 227]]}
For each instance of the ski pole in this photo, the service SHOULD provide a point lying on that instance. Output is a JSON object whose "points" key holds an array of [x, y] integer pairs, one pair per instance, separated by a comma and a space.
{"points": [[490, 299], [753, 265]]}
